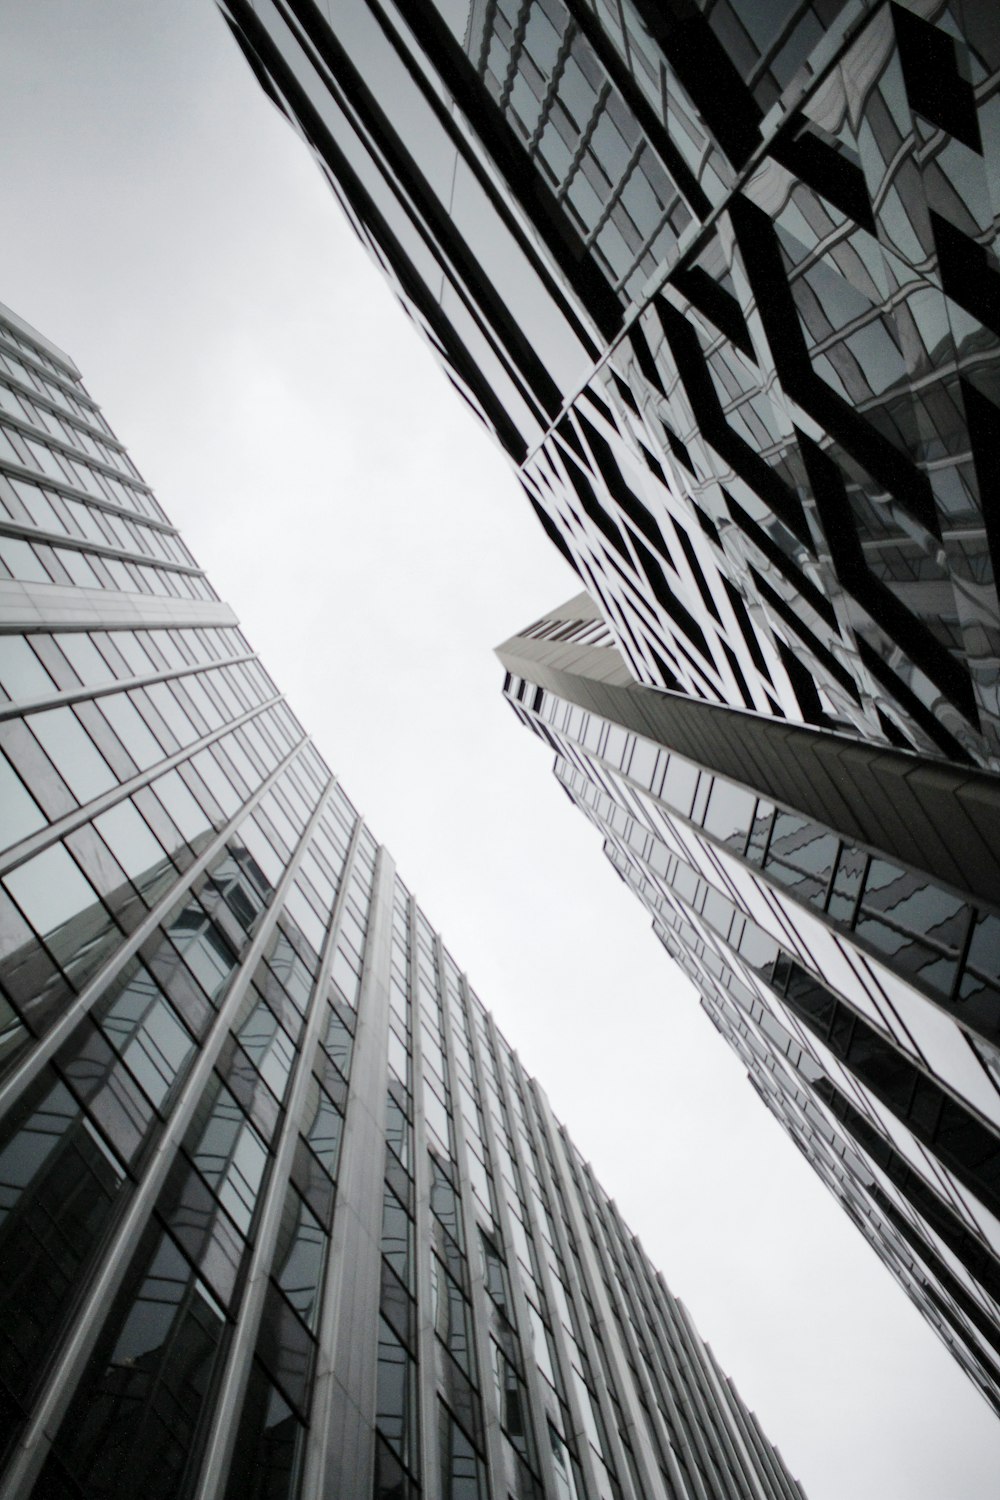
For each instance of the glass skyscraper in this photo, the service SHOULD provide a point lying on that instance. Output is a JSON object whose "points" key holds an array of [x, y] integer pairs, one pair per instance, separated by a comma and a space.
{"points": [[281, 1213], [721, 276], [836, 907]]}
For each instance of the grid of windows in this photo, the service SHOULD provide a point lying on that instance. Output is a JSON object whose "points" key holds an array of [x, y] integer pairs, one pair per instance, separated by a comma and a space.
{"points": [[769, 457], [860, 992], [281, 1208]]}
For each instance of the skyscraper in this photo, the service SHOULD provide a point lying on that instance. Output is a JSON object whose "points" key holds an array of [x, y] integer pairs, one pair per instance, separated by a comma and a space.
{"points": [[836, 906], [281, 1213], [722, 279]]}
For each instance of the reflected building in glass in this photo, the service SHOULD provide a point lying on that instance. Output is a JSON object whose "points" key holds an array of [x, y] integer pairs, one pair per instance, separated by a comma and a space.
{"points": [[281, 1214], [721, 276]]}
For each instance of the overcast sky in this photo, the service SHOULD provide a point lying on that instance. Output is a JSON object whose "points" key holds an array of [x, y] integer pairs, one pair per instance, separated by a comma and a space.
{"points": [[167, 229]]}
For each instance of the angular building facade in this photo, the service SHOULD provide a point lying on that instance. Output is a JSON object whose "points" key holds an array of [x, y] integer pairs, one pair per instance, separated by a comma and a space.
{"points": [[837, 906], [720, 276], [281, 1214]]}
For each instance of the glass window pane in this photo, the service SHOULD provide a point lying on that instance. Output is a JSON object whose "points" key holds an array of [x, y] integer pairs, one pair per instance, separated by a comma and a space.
{"points": [[50, 889], [21, 813], [22, 675], [73, 753]]}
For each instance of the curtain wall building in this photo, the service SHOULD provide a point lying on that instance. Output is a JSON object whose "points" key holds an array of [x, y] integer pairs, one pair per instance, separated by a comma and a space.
{"points": [[281, 1214], [720, 276], [837, 906]]}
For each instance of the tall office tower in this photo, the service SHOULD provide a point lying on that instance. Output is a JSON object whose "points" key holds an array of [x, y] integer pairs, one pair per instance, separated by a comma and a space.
{"points": [[720, 275], [281, 1213], [837, 906]]}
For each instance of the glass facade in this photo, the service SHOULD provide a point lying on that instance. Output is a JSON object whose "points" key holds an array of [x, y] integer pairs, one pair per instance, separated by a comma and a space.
{"points": [[721, 277], [281, 1213], [843, 930]]}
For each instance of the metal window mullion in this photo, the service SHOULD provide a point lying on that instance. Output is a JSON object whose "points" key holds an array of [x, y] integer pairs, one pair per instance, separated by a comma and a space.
{"points": [[59, 445], [666, 1307], [586, 136], [579, 1430], [66, 1372], [119, 685], [340, 1441], [429, 1468], [99, 549], [747, 1465], [622, 1327], [668, 1388], [239, 1359], [474, 1260], [590, 1271], [712, 1431], [71, 384], [532, 1375], [763, 1451], [69, 491], [613, 201], [54, 1038], [69, 822], [46, 404]]}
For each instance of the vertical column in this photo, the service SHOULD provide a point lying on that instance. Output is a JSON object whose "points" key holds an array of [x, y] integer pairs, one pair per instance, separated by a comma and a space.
{"points": [[596, 1276], [233, 1384], [532, 1379], [340, 1449], [579, 1432], [426, 1381]]}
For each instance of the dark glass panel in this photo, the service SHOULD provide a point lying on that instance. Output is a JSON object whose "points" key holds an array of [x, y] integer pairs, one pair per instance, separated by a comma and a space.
{"points": [[132, 1427], [57, 1188], [397, 1236], [395, 1401], [268, 1444], [463, 1474], [299, 1258], [908, 956], [911, 901], [323, 1126], [286, 1349], [800, 857]]}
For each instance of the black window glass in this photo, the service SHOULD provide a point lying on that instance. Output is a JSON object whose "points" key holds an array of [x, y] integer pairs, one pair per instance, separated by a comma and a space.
{"points": [[265, 1459], [57, 1186], [131, 1429], [800, 857], [299, 1257], [760, 831], [395, 1394]]}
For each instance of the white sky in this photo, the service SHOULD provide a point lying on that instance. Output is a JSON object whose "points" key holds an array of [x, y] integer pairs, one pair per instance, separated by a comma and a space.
{"points": [[167, 229]]}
